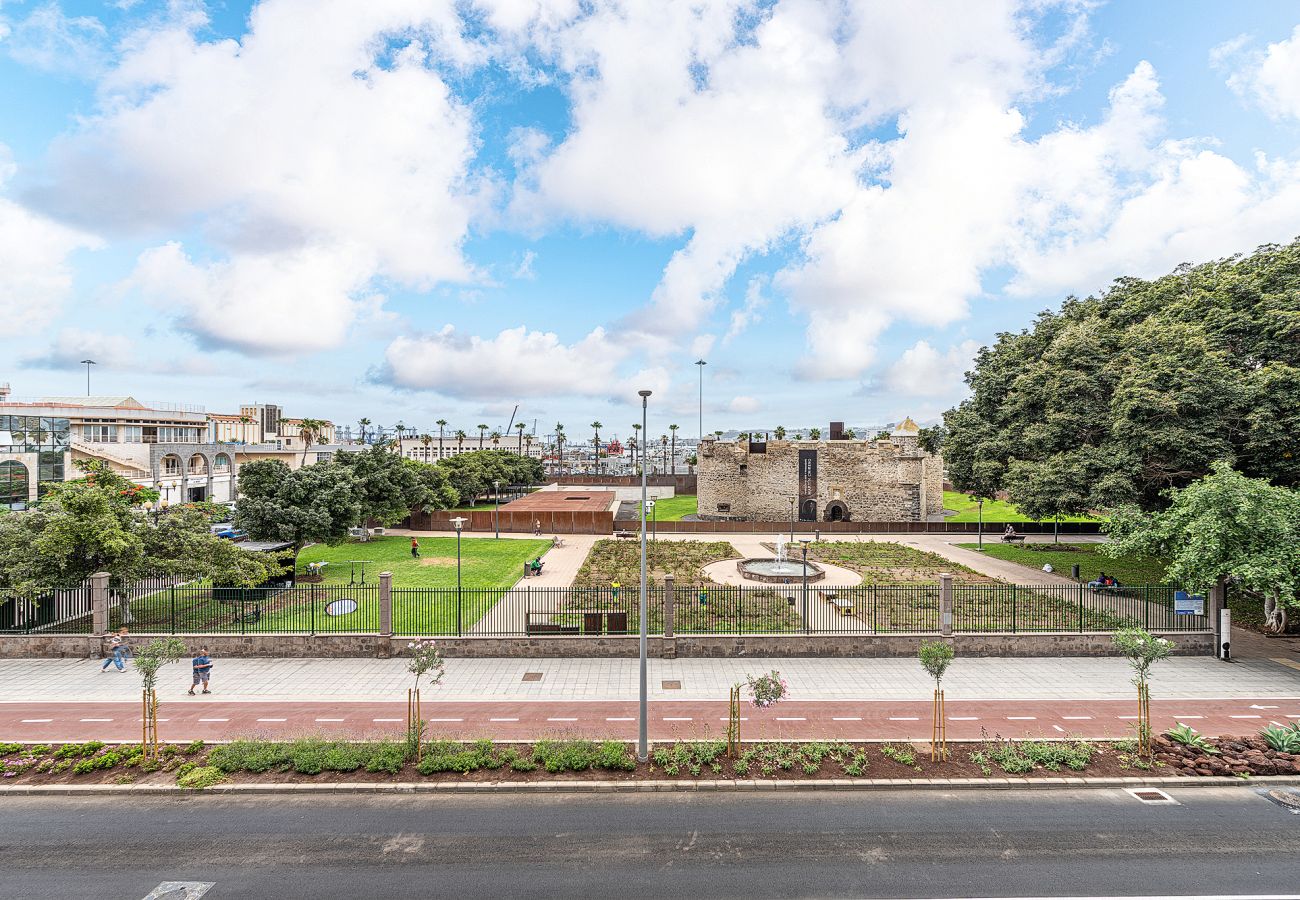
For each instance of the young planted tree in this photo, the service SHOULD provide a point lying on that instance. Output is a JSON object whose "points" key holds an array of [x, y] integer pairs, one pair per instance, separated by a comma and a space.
{"points": [[765, 691], [148, 660], [935, 657], [426, 659], [1142, 650]]}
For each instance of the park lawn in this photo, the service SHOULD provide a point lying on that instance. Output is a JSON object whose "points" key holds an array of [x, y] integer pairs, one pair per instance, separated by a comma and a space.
{"points": [[883, 562], [485, 562], [967, 510], [1130, 570], [672, 509]]}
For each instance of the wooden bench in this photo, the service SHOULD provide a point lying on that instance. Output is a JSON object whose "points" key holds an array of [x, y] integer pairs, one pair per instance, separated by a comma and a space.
{"points": [[557, 542], [623, 535], [845, 607], [1013, 538]]}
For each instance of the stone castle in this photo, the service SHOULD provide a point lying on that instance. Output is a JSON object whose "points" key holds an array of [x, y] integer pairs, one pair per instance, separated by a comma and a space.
{"points": [[887, 480]]}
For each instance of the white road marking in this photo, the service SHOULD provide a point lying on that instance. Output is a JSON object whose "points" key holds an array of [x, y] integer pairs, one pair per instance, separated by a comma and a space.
{"points": [[388, 720], [446, 720], [1075, 718], [35, 721], [1059, 728], [1243, 717], [214, 720], [1022, 718], [619, 719], [504, 719], [1126, 717], [563, 719]]}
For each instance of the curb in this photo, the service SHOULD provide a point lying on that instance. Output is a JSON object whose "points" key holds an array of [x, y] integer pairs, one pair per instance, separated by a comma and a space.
{"points": [[642, 787]]}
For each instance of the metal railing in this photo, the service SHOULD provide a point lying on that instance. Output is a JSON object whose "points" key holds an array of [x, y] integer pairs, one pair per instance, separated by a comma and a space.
{"points": [[162, 606]]}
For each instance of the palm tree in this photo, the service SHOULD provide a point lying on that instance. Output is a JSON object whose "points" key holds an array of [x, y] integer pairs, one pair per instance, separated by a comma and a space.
{"points": [[663, 440], [559, 447], [309, 430], [597, 426], [528, 440], [482, 429], [779, 432], [815, 434], [426, 440], [496, 440], [460, 441], [718, 435], [399, 428], [636, 433], [799, 436], [849, 434], [363, 422], [520, 429], [442, 423]]}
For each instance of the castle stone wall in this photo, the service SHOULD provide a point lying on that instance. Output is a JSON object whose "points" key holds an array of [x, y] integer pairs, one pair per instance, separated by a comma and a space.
{"points": [[879, 481]]}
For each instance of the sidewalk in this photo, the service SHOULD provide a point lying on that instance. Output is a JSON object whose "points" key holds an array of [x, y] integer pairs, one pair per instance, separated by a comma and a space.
{"points": [[63, 680]]}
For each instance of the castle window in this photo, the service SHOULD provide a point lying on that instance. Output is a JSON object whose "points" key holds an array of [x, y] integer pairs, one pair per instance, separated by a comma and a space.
{"points": [[724, 507], [744, 468]]}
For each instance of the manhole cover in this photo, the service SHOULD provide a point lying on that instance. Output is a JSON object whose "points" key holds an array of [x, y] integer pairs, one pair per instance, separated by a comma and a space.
{"points": [[1288, 800], [1150, 795], [672, 685], [532, 676]]}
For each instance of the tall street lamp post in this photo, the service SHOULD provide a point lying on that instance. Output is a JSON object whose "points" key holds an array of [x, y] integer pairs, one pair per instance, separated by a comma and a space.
{"points": [[88, 363], [805, 540], [793, 501], [981, 526], [459, 523], [496, 515], [701, 363], [643, 736]]}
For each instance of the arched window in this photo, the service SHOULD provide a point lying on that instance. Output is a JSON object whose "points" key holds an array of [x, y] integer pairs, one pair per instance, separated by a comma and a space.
{"points": [[221, 463], [198, 464], [14, 484], [171, 465]]}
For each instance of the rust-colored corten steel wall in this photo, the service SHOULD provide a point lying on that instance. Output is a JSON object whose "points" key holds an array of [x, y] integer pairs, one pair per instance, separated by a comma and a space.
{"points": [[681, 484], [553, 522]]}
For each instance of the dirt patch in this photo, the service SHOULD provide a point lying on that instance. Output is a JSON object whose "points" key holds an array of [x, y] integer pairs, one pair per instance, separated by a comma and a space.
{"points": [[438, 561]]}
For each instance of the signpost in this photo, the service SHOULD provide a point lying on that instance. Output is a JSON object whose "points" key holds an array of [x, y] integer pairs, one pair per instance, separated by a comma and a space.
{"points": [[1186, 604]]}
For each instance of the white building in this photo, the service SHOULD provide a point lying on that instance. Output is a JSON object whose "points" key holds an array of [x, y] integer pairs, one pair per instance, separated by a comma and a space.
{"points": [[415, 447]]}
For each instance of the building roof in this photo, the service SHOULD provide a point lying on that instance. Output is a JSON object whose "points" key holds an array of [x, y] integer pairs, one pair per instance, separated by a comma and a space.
{"points": [[570, 500], [906, 427], [119, 402]]}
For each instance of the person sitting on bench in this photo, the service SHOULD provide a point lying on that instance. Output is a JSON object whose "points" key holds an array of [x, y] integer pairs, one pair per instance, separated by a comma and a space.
{"points": [[1011, 535], [1103, 581]]}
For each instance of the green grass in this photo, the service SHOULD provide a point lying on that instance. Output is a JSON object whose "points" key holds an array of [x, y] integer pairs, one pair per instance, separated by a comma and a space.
{"points": [[967, 510], [485, 562], [672, 509], [1134, 570], [882, 562]]}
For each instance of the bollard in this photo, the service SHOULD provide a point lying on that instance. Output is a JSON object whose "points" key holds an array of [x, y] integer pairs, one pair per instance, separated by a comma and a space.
{"points": [[945, 604], [668, 606], [99, 602], [386, 603], [1074, 571]]}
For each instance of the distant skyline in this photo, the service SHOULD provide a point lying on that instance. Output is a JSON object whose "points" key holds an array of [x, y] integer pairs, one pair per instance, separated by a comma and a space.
{"points": [[423, 209]]}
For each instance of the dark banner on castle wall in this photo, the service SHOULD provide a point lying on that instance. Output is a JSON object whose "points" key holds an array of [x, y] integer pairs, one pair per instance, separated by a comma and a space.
{"points": [[807, 484]]}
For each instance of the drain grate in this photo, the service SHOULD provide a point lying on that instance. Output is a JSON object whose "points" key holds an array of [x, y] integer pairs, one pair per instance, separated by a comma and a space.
{"points": [[1150, 795], [532, 676], [671, 685], [1288, 800]]}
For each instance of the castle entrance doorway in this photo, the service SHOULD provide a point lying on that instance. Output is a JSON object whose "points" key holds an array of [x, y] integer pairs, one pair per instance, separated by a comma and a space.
{"points": [[837, 511]]}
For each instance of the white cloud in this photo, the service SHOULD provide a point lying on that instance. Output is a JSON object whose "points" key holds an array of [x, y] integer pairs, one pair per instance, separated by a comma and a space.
{"points": [[748, 314], [525, 268], [744, 405], [321, 163], [35, 277], [1270, 78], [922, 371], [516, 363], [49, 40]]}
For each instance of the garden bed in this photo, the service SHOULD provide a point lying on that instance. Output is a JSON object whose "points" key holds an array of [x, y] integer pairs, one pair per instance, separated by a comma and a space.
{"points": [[317, 761]]}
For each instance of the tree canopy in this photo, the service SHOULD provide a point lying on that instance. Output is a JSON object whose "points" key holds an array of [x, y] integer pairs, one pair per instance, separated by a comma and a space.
{"points": [[1224, 525], [1116, 399], [313, 504]]}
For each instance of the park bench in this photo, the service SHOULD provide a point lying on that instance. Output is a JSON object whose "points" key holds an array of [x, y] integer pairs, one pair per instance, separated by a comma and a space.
{"points": [[557, 541], [316, 570], [623, 535], [1013, 538], [844, 606]]}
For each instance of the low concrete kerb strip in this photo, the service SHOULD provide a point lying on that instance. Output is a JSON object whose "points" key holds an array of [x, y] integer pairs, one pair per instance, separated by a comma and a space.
{"points": [[643, 787]]}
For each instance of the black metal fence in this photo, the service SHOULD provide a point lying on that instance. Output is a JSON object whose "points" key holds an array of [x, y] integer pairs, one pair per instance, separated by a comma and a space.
{"points": [[158, 606]]}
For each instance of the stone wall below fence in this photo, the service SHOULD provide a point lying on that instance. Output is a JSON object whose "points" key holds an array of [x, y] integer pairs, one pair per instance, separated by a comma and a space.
{"points": [[682, 646]]}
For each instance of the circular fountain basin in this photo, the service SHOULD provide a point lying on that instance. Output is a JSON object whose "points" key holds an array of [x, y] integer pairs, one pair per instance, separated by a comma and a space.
{"points": [[770, 571]]}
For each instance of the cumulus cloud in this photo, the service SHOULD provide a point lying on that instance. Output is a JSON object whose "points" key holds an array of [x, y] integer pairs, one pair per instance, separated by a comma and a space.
{"points": [[744, 405], [515, 363], [1269, 78], [321, 164], [111, 351], [35, 276], [922, 371]]}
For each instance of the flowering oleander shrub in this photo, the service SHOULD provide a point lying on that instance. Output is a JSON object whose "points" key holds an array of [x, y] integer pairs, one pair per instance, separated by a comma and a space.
{"points": [[767, 690]]}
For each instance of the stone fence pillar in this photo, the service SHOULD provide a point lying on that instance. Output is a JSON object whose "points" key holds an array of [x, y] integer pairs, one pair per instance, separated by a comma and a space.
{"points": [[386, 604], [945, 604], [668, 606], [99, 603]]}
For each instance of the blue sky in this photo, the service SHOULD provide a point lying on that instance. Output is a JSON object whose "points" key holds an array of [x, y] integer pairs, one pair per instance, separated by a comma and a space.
{"points": [[411, 209]]}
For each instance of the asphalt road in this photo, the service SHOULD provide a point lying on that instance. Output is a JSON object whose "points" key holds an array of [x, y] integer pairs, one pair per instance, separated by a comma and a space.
{"points": [[1228, 841]]}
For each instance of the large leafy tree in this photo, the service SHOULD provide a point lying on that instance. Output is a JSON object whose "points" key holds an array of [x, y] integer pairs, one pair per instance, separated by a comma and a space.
{"points": [[1118, 398], [313, 504], [1224, 525]]}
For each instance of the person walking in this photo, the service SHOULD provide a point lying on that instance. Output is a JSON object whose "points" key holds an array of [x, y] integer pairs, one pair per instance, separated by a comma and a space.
{"points": [[415, 549], [118, 646], [537, 527], [202, 671]]}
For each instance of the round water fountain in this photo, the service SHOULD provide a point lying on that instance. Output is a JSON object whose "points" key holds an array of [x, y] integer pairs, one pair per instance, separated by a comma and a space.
{"points": [[778, 569]]}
